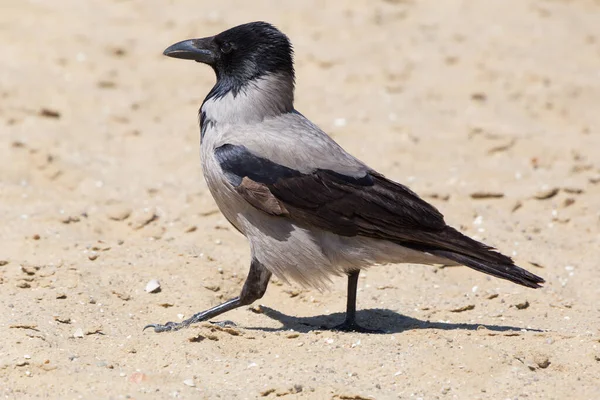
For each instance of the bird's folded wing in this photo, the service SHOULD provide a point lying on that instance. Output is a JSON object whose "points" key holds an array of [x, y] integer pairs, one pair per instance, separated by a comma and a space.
{"points": [[370, 205]]}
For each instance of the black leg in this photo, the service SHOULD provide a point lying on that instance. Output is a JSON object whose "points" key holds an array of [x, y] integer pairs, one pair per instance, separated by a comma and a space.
{"points": [[350, 324], [254, 288]]}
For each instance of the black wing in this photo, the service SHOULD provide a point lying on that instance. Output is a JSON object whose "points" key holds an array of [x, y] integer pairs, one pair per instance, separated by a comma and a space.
{"points": [[370, 205]]}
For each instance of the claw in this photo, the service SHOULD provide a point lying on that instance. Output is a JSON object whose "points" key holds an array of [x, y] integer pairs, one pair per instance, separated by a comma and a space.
{"points": [[150, 326]]}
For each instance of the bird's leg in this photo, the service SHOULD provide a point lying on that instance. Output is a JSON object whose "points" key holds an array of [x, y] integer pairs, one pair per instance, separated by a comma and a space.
{"points": [[350, 324], [254, 288]]}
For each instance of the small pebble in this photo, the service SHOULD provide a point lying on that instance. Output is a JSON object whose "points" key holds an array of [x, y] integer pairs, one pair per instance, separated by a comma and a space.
{"points": [[78, 333], [118, 212], [522, 306], [137, 377], [189, 382], [546, 194], [153, 286], [541, 360]]}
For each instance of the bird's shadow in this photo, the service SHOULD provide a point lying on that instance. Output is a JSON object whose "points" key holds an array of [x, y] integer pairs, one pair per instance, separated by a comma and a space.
{"points": [[376, 318]]}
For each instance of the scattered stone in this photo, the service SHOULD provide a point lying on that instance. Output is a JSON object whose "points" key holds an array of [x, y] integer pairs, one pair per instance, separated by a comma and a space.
{"points": [[293, 292], [23, 285], [502, 147], [492, 296], [517, 205], [191, 229], [119, 52], [3, 263], [118, 212], [107, 84], [468, 307], [569, 201], [93, 256], [267, 392], [572, 190], [189, 382], [292, 335], [96, 330], [30, 269], [32, 327], [62, 320], [212, 288], [196, 339], [487, 195], [541, 361], [137, 377], [256, 309], [522, 306], [48, 113], [536, 264], [546, 193], [122, 296], [143, 218], [78, 333], [36, 237], [352, 397], [153, 286], [480, 97], [67, 219]]}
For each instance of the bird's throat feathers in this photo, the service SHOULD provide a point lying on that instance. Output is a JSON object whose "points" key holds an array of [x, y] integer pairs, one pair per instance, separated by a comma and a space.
{"points": [[234, 102]]}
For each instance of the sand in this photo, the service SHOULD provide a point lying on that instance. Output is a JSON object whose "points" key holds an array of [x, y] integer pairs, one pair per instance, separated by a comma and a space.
{"points": [[488, 109]]}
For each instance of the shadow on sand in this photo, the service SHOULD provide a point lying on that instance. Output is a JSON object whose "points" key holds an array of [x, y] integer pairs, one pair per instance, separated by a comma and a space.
{"points": [[386, 320]]}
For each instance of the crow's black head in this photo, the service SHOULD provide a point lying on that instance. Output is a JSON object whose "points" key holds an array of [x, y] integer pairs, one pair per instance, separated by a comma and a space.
{"points": [[240, 54]]}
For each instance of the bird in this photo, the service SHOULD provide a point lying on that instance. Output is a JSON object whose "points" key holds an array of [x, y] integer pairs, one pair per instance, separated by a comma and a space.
{"points": [[309, 210]]}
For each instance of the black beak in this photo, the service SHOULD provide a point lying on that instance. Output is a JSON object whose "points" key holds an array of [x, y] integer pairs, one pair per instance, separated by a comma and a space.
{"points": [[200, 50]]}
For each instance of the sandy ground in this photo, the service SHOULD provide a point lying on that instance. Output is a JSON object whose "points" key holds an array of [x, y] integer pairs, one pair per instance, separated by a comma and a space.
{"points": [[489, 109]]}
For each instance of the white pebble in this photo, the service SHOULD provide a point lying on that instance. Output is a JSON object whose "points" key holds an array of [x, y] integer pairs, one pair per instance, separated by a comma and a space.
{"points": [[152, 286], [78, 333], [189, 382], [339, 122]]}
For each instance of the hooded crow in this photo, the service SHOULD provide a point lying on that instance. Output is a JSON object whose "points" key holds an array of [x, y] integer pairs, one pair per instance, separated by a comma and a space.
{"points": [[308, 208]]}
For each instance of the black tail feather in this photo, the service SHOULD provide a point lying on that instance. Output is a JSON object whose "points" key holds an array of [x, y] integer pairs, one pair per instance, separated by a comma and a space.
{"points": [[508, 271]]}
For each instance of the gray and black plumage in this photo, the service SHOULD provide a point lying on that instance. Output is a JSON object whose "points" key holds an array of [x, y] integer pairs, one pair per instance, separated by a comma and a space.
{"points": [[308, 208]]}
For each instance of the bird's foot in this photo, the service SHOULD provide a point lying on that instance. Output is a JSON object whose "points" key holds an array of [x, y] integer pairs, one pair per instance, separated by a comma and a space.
{"points": [[353, 326], [175, 326]]}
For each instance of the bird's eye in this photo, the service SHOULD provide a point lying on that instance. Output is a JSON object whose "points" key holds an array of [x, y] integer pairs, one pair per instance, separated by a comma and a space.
{"points": [[226, 48]]}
